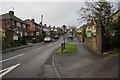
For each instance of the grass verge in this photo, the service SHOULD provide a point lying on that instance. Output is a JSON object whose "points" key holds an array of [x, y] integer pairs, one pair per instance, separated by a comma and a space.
{"points": [[68, 48]]}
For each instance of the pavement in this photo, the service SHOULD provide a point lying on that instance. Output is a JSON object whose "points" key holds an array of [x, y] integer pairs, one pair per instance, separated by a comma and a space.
{"points": [[86, 64]]}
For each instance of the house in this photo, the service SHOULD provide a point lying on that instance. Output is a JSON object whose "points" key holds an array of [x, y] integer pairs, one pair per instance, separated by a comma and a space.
{"points": [[35, 28], [13, 24], [46, 29], [115, 16], [91, 29]]}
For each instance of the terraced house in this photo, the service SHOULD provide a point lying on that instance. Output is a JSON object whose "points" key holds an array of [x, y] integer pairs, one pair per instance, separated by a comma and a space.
{"points": [[35, 28]]}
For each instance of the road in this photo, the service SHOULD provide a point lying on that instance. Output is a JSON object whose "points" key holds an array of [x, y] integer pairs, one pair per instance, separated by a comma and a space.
{"points": [[27, 62]]}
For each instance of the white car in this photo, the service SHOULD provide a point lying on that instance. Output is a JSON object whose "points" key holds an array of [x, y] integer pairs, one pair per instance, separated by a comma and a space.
{"points": [[47, 39]]}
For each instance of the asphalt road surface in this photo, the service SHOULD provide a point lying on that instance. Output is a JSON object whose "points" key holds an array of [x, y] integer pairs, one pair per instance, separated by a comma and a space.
{"points": [[27, 62]]}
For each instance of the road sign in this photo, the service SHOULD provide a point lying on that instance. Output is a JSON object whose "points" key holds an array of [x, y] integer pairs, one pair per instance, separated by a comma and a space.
{"points": [[15, 37]]}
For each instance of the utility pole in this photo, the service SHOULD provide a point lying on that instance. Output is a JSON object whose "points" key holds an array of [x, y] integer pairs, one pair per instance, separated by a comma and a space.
{"points": [[41, 18]]}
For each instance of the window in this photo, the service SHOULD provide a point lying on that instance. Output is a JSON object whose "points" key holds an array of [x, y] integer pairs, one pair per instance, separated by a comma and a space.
{"points": [[38, 27], [33, 25], [18, 24], [7, 22], [24, 26], [13, 23]]}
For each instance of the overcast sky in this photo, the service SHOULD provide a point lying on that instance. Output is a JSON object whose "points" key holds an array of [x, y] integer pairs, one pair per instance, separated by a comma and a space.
{"points": [[54, 13]]}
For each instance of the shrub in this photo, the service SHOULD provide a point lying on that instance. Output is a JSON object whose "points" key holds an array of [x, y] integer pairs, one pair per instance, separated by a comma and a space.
{"points": [[22, 41]]}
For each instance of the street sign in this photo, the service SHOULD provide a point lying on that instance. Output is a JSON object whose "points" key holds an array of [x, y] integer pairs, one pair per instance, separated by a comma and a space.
{"points": [[37, 33], [15, 37]]}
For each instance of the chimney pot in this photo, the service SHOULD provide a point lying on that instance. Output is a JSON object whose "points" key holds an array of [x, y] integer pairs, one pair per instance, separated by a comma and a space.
{"points": [[33, 20], [40, 22], [11, 12]]}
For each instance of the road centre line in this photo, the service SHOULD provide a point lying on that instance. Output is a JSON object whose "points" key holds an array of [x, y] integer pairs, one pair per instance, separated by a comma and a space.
{"points": [[40, 47], [43, 47], [51, 44], [11, 58], [37, 49]]}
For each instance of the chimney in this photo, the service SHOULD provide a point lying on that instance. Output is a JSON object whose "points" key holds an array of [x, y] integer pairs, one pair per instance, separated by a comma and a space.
{"points": [[41, 23], [11, 12], [45, 25], [33, 20]]}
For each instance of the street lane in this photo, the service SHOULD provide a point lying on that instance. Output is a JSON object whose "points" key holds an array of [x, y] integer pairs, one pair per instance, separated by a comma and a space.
{"points": [[31, 62]]}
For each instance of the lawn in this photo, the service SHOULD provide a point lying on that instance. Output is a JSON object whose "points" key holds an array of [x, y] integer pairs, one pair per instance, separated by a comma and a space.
{"points": [[68, 48]]}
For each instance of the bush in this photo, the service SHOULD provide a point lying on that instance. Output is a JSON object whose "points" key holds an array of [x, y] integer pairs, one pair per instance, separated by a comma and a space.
{"points": [[22, 41]]}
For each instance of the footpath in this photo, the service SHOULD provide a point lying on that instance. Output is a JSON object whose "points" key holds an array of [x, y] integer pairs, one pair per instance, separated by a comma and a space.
{"points": [[86, 64]]}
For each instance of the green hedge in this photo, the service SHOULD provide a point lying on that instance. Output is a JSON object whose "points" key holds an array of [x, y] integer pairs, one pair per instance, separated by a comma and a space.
{"points": [[22, 41]]}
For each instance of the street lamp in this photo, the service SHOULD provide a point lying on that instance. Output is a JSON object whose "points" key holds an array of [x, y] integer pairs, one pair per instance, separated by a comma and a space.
{"points": [[64, 27]]}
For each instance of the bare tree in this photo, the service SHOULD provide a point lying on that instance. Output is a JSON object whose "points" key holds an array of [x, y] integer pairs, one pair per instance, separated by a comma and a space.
{"points": [[99, 12]]}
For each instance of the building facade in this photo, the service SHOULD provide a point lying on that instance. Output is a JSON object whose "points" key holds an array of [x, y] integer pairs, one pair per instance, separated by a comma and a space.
{"points": [[9, 22], [35, 29]]}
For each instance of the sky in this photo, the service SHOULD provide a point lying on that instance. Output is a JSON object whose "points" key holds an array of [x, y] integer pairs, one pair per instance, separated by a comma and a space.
{"points": [[55, 13]]}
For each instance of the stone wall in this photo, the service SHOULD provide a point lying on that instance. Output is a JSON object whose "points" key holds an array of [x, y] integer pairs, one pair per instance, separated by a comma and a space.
{"points": [[91, 43], [79, 36]]}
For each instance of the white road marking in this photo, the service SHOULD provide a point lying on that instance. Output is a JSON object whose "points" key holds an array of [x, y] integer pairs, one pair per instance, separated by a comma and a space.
{"points": [[40, 47], [36, 43], [56, 42], [11, 58], [37, 49], [34, 49], [51, 44], [7, 70], [48, 45]]}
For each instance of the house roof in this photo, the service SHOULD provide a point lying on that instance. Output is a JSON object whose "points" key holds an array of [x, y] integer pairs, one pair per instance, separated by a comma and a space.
{"points": [[118, 11], [8, 16], [31, 21]]}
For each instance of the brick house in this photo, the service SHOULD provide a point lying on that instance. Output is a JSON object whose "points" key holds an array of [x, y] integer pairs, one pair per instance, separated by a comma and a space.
{"points": [[14, 24], [46, 29], [35, 29]]}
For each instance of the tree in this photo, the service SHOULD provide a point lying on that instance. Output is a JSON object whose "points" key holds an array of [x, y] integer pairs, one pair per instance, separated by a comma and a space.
{"points": [[99, 12], [83, 34]]}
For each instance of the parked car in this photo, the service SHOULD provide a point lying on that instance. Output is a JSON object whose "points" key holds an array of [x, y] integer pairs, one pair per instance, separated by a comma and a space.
{"points": [[70, 36], [56, 37], [47, 39]]}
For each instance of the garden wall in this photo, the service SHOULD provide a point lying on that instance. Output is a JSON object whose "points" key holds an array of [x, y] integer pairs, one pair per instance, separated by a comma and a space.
{"points": [[79, 36], [91, 43]]}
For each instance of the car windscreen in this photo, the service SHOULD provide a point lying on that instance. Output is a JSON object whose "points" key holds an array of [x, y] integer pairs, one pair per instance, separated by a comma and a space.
{"points": [[47, 37]]}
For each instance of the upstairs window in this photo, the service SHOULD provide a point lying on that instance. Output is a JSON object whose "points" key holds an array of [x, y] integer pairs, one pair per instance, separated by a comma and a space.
{"points": [[33, 25], [24, 26], [13, 23], [18, 24], [38, 27]]}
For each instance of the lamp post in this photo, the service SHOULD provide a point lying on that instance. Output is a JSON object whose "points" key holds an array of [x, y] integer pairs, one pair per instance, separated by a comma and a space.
{"points": [[64, 27]]}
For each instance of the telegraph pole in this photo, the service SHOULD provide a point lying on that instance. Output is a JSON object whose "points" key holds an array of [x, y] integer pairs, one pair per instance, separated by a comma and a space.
{"points": [[41, 18]]}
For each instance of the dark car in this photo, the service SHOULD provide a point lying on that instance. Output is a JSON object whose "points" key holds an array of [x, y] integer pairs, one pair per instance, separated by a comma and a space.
{"points": [[56, 37], [70, 36], [47, 39]]}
